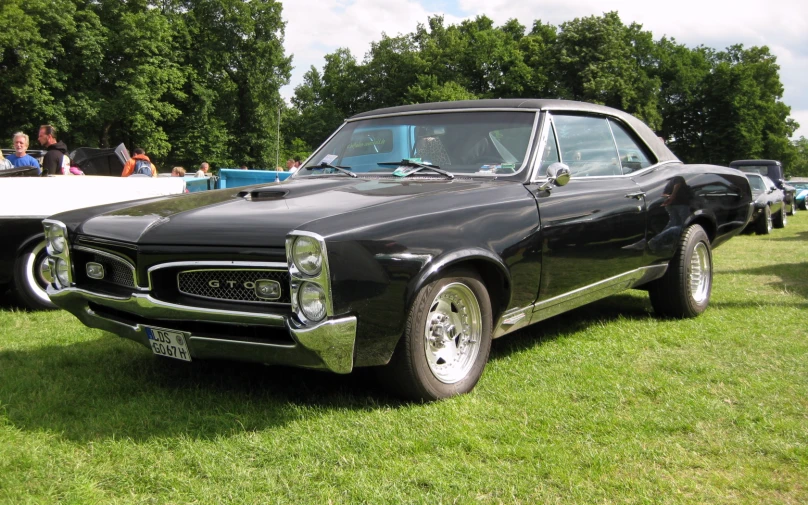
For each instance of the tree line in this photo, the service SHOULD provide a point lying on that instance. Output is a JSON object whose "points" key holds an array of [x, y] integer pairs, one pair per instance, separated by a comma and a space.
{"points": [[192, 80], [187, 80]]}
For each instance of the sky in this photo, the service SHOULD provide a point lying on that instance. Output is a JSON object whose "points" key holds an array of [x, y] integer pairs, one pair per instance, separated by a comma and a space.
{"points": [[315, 28]]}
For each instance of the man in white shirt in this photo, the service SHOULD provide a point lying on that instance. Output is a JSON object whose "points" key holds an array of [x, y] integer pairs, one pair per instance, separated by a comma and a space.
{"points": [[203, 170]]}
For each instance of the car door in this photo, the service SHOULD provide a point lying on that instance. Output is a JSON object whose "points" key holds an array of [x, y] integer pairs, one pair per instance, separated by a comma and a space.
{"points": [[593, 228]]}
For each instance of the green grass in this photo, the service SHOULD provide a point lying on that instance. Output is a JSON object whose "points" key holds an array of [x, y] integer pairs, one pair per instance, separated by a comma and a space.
{"points": [[606, 404]]}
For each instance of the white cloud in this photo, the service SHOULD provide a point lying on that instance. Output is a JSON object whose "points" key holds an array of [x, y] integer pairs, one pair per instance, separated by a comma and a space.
{"points": [[318, 27]]}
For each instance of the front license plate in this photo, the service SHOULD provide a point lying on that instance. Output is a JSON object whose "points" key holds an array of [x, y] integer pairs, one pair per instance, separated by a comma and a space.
{"points": [[169, 343]]}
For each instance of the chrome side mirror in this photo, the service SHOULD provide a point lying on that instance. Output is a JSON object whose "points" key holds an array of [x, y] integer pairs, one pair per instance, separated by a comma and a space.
{"points": [[558, 174]]}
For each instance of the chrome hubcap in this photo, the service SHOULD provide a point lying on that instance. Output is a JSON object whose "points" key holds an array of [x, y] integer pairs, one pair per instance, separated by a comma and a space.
{"points": [[452, 333], [700, 273]]}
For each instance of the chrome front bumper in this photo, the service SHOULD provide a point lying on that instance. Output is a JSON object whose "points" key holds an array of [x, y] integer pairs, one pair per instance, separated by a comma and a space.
{"points": [[326, 345]]}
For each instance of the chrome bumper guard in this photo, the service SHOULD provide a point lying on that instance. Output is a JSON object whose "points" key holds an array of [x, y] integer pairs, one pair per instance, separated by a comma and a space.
{"points": [[327, 345]]}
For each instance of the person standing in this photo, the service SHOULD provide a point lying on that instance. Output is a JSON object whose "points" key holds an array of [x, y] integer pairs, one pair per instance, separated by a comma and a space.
{"points": [[20, 158], [4, 163], [203, 170], [56, 153], [139, 164]]}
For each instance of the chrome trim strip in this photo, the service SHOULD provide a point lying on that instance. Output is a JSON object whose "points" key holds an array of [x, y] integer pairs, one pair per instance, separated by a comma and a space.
{"points": [[144, 305], [84, 239], [546, 126], [444, 111], [625, 176], [513, 319], [115, 257], [267, 301], [270, 265], [64, 255]]}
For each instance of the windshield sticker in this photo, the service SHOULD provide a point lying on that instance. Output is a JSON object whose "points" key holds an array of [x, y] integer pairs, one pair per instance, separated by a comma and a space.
{"points": [[327, 159]]}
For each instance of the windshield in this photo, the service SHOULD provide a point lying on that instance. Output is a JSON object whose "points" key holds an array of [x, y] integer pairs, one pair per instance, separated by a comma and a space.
{"points": [[798, 185], [473, 143], [757, 169]]}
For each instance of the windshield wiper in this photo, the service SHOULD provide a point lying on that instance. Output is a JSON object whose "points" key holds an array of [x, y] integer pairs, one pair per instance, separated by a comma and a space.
{"points": [[344, 170], [417, 167]]}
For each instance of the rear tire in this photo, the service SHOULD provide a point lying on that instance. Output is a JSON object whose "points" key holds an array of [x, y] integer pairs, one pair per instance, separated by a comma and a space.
{"points": [[30, 281], [763, 225], [684, 290], [446, 341], [793, 207]]}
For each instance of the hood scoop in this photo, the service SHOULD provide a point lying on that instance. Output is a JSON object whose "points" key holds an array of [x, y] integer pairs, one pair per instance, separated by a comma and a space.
{"points": [[263, 194]]}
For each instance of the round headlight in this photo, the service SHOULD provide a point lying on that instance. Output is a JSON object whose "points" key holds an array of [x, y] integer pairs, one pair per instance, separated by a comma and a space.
{"points": [[62, 274], [307, 255], [57, 243], [311, 299]]}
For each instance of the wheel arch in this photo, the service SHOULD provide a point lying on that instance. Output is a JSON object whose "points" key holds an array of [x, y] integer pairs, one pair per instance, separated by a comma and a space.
{"points": [[492, 270], [707, 222], [29, 242]]}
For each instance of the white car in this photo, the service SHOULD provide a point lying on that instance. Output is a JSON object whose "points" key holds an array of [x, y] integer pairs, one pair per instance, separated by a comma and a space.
{"points": [[26, 201]]}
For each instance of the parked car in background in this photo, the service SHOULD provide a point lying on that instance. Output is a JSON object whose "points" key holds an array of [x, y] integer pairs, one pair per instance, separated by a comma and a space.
{"points": [[768, 202], [801, 186], [409, 240], [100, 161], [25, 201], [773, 170]]}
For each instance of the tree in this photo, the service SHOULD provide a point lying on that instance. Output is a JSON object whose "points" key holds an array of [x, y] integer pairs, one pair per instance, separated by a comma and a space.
{"points": [[603, 61]]}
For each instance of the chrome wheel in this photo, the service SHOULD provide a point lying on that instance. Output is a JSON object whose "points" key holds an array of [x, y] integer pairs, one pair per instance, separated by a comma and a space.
{"points": [[700, 273], [453, 333], [769, 224]]}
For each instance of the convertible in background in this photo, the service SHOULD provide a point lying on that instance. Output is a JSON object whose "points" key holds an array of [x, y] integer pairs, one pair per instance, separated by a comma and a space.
{"points": [[27, 200], [408, 241]]}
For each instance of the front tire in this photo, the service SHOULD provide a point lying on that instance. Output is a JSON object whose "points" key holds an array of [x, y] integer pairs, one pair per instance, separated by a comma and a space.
{"points": [[763, 225], [780, 220], [31, 277], [446, 341], [684, 290]]}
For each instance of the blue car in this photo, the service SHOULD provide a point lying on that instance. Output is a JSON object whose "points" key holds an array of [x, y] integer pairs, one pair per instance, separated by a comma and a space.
{"points": [[801, 184]]}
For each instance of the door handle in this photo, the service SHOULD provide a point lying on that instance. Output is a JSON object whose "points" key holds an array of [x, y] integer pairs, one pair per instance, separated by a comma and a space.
{"points": [[638, 195]]}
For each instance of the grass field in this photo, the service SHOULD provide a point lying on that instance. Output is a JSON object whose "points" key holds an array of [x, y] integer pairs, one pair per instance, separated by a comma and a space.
{"points": [[606, 404]]}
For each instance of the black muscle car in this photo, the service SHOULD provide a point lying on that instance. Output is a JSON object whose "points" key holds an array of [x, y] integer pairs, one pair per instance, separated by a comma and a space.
{"points": [[769, 207], [410, 239], [772, 169]]}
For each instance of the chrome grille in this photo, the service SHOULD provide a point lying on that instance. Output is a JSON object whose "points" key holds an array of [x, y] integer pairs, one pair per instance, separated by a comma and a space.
{"points": [[229, 284], [116, 271]]}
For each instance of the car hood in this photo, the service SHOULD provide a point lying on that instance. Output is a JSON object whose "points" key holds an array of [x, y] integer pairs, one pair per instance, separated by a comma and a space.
{"points": [[262, 215]]}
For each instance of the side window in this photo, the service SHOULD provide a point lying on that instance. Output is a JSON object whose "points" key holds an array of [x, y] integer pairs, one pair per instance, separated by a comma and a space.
{"points": [[633, 156], [587, 145], [550, 154]]}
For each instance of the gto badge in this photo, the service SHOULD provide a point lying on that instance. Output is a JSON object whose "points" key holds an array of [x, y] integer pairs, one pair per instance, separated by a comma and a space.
{"points": [[95, 270], [267, 289]]}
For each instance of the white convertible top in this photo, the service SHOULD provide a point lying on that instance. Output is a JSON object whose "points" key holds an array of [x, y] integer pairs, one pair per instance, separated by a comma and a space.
{"points": [[45, 196]]}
